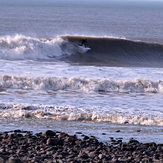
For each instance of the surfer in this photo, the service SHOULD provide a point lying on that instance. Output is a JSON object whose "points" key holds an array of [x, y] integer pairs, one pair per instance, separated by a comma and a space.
{"points": [[83, 42]]}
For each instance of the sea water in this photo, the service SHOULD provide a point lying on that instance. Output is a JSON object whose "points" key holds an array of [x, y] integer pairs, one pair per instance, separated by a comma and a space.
{"points": [[47, 83]]}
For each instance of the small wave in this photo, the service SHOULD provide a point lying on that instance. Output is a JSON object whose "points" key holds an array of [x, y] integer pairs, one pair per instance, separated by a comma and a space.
{"points": [[69, 113], [81, 84]]}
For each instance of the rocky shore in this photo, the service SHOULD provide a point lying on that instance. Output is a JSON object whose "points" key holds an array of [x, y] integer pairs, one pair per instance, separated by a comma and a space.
{"points": [[59, 147]]}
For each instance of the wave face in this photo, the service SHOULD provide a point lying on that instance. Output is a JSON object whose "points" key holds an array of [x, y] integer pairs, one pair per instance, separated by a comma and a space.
{"points": [[118, 52], [80, 84]]}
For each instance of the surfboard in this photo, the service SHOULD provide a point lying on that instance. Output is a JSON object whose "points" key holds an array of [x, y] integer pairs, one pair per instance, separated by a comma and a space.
{"points": [[84, 49]]}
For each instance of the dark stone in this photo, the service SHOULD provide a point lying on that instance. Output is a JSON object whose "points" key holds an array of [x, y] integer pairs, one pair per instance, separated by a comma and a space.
{"points": [[14, 160], [92, 154], [133, 141], [51, 141], [85, 137], [17, 130], [148, 153], [11, 136], [78, 142], [83, 155], [62, 135], [3, 158], [49, 147], [49, 133], [103, 133], [71, 139]]}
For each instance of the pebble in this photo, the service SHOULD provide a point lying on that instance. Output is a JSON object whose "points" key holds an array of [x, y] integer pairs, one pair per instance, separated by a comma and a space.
{"points": [[50, 147]]}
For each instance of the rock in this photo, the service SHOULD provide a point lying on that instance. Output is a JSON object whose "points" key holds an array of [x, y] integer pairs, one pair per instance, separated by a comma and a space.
{"points": [[11, 136], [49, 133], [14, 160], [103, 133], [83, 155], [85, 137], [78, 142], [133, 141], [62, 135], [92, 154], [3, 158], [100, 156], [71, 138], [17, 130], [51, 141], [51, 147]]}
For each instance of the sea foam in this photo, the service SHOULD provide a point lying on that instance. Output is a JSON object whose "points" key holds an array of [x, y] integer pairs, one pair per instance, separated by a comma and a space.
{"points": [[25, 47], [70, 113], [21, 47]]}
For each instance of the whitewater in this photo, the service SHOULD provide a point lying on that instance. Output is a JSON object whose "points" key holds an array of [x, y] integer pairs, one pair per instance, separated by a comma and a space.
{"points": [[48, 81]]}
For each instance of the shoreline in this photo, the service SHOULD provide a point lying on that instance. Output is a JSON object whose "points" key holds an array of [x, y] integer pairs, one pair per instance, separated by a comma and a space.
{"points": [[54, 146], [102, 131]]}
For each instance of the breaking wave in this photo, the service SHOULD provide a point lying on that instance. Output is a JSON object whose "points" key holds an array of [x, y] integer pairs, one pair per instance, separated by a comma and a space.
{"points": [[23, 47], [81, 84], [69, 113], [20, 47], [104, 50]]}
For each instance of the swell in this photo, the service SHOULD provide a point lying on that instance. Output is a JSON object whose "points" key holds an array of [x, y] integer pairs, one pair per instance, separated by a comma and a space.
{"points": [[118, 52]]}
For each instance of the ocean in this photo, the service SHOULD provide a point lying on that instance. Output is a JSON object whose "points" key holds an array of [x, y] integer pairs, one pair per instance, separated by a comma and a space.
{"points": [[49, 81]]}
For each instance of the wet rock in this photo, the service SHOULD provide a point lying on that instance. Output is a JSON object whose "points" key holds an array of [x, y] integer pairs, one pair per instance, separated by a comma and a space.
{"points": [[14, 160], [133, 141], [49, 133], [51, 141], [17, 130], [83, 155], [61, 147], [71, 138], [103, 133]]}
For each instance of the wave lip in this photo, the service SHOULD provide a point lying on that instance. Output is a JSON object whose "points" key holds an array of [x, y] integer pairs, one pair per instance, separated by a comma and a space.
{"points": [[80, 84], [66, 113]]}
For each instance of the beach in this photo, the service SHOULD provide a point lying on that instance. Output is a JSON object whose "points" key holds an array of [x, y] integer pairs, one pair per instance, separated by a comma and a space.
{"points": [[23, 146]]}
